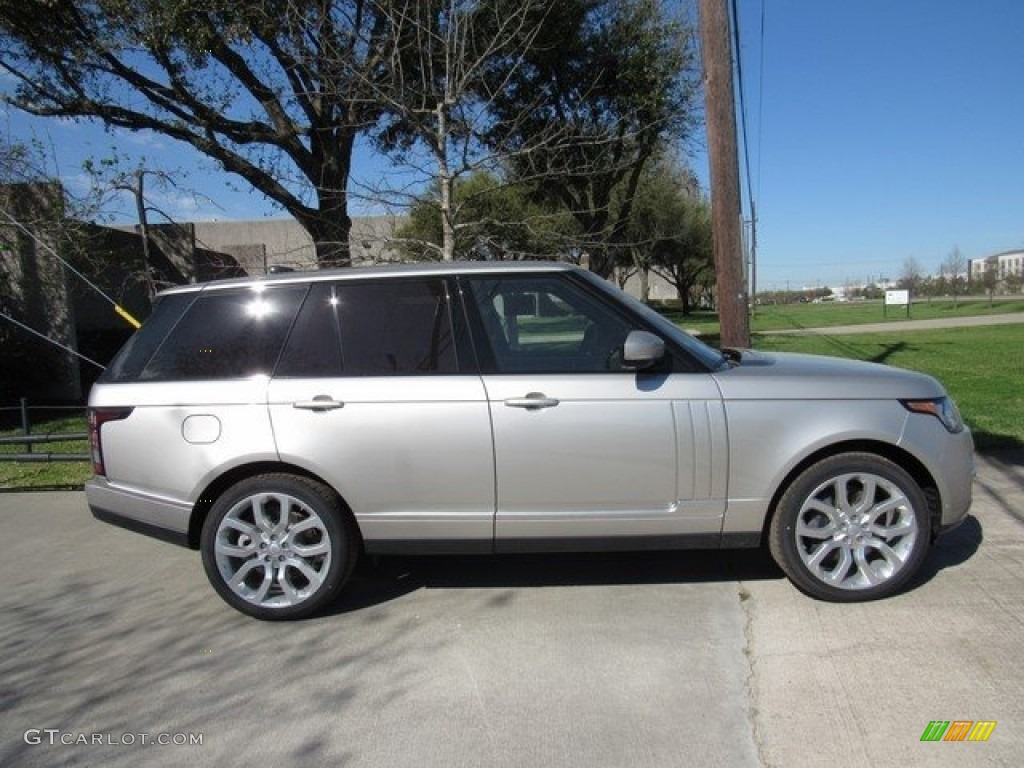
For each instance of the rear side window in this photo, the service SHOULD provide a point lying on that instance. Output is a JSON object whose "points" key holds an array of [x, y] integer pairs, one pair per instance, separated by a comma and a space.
{"points": [[129, 362], [227, 334], [388, 328]]}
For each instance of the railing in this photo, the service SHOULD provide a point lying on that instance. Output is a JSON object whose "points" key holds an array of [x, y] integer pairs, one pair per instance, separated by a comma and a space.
{"points": [[29, 440]]}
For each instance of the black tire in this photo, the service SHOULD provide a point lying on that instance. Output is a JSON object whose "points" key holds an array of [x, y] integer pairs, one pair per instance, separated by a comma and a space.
{"points": [[269, 565], [852, 527]]}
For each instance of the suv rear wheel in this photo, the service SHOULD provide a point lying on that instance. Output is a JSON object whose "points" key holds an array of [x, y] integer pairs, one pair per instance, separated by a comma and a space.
{"points": [[278, 546], [851, 527]]}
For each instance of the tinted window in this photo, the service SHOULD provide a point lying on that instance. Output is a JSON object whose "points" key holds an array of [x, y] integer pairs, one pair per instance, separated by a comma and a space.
{"points": [[132, 358], [699, 356], [227, 334], [314, 345], [547, 324], [387, 328]]}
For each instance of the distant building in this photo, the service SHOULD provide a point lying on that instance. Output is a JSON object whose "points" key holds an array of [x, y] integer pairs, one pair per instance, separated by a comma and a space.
{"points": [[264, 243], [1003, 265]]}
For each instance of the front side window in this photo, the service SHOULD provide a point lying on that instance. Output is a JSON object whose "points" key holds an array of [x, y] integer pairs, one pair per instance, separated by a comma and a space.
{"points": [[547, 324], [385, 328], [227, 334]]}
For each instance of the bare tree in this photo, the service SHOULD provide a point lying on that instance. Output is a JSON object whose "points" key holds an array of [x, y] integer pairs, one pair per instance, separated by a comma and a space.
{"points": [[434, 94], [258, 87], [954, 266], [109, 181], [911, 274]]}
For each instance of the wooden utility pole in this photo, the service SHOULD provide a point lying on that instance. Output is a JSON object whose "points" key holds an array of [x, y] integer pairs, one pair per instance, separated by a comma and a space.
{"points": [[720, 109]]}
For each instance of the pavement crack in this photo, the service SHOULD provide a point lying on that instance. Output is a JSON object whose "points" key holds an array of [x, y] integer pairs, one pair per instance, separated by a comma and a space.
{"points": [[753, 710]]}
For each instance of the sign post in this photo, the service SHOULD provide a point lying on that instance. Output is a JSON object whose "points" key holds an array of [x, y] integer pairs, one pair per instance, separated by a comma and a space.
{"points": [[896, 298]]}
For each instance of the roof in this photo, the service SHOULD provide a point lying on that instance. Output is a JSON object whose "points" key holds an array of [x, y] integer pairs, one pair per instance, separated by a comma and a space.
{"points": [[381, 272]]}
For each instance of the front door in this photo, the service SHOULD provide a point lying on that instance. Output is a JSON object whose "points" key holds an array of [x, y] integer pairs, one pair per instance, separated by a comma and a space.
{"points": [[586, 451]]}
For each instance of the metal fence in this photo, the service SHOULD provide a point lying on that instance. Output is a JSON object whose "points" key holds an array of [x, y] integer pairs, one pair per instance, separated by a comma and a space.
{"points": [[30, 440]]}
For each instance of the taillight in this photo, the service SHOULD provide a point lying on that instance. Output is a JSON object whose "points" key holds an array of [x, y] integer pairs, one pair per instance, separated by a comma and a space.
{"points": [[97, 418]]}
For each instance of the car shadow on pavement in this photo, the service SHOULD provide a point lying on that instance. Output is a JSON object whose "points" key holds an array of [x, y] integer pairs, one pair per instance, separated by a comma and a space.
{"points": [[381, 580], [1010, 464], [953, 549]]}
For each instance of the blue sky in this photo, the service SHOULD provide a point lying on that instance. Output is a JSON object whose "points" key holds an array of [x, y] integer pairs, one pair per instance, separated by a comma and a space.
{"points": [[887, 130], [879, 130]]}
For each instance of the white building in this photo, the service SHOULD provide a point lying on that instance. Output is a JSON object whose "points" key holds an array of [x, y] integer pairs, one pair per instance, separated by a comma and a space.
{"points": [[1003, 264]]}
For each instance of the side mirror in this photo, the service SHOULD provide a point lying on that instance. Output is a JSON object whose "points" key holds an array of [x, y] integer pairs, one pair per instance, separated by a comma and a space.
{"points": [[642, 350]]}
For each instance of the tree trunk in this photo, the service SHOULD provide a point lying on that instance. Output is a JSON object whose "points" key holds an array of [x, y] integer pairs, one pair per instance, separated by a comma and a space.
{"points": [[684, 299], [331, 238]]}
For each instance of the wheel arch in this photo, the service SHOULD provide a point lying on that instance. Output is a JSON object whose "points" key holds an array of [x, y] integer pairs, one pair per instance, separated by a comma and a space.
{"points": [[223, 482], [894, 453]]}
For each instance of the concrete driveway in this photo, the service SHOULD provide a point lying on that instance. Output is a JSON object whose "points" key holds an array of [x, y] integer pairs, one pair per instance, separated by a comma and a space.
{"points": [[113, 642]]}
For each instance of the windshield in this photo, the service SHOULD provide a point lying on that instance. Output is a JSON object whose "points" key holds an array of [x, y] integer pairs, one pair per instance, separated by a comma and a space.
{"points": [[710, 357]]}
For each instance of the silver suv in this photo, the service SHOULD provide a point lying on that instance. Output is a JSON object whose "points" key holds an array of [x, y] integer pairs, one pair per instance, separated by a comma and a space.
{"points": [[284, 425]]}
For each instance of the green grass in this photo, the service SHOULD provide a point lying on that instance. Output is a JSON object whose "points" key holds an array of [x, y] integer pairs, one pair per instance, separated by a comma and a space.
{"points": [[827, 315], [792, 316], [982, 368], [55, 474]]}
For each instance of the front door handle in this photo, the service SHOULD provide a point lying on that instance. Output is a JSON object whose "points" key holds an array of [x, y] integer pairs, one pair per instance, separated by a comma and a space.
{"points": [[532, 402], [319, 403]]}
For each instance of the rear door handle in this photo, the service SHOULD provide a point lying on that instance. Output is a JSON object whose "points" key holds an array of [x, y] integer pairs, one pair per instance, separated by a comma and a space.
{"points": [[319, 403], [533, 401]]}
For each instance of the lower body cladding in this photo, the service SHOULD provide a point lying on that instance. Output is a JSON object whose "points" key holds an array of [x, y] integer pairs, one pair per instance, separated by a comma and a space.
{"points": [[163, 518]]}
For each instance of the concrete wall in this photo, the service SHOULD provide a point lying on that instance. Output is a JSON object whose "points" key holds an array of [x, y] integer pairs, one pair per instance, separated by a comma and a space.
{"points": [[264, 243], [34, 291], [40, 293]]}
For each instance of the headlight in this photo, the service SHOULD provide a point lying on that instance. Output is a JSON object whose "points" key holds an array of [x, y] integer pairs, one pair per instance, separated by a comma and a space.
{"points": [[942, 408]]}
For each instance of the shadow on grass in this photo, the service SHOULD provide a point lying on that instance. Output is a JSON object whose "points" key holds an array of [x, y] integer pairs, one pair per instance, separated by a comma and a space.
{"points": [[993, 444], [889, 350]]}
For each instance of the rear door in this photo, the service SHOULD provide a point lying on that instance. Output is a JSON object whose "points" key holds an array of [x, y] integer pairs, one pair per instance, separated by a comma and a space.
{"points": [[377, 392]]}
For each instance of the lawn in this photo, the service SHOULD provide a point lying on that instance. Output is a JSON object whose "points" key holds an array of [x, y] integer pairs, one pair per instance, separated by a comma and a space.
{"points": [[982, 368], [827, 315], [793, 316], [55, 474]]}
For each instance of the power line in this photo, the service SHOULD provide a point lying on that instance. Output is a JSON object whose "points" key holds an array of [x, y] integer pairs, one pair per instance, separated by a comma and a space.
{"points": [[52, 341], [117, 307], [746, 147], [760, 100], [743, 105]]}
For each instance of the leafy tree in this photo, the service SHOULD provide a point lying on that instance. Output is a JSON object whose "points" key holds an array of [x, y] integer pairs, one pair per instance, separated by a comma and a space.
{"points": [[496, 221], [1013, 282], [263, 88], [687, 260], [990, 280], [605, 85], [663, 230]]}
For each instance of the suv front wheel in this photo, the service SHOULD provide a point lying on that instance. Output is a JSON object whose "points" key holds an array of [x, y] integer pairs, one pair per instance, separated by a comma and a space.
{"points": [[851, 527], [278, 546]]}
